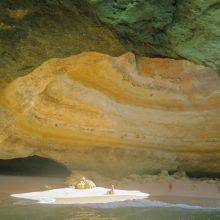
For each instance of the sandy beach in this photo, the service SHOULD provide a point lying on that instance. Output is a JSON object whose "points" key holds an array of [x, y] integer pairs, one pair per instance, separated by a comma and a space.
{"points": [[184, 191], [205, 193], [21, 184]]}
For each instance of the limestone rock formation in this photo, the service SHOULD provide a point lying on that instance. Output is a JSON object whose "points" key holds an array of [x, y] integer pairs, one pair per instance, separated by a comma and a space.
{"points": [[115, 115], [32, 31], [172, 28]]}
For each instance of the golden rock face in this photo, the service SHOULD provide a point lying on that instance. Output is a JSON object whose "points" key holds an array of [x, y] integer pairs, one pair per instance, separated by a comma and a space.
{"points": [[115, 115]]}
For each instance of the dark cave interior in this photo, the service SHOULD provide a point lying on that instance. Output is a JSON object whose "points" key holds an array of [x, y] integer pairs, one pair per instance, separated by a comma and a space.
{"points": [[33, 166]]}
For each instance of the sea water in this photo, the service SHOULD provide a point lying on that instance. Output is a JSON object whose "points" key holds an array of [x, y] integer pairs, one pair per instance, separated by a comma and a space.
{"points": [[69, 212]]}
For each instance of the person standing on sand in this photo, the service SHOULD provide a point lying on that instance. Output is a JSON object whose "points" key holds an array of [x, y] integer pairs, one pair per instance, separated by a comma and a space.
{"points": [[170, 186], [111, 191]]}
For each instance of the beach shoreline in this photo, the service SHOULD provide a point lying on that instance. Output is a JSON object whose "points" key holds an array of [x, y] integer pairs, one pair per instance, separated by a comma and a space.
{"points": [[194, 192]]}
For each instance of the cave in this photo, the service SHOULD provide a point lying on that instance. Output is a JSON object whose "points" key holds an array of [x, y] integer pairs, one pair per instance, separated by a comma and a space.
{"points": [[33, 166]]}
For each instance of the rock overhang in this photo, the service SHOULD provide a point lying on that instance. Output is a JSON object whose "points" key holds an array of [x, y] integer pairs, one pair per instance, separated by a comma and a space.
{"points": [[96, 112]]}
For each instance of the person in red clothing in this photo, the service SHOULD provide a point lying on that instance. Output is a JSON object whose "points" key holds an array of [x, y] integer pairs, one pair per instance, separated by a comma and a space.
{"points": [[170, 186]]}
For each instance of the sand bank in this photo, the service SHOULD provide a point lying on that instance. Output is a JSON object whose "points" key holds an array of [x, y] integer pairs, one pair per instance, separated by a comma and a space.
{"points": [[76, 196]]}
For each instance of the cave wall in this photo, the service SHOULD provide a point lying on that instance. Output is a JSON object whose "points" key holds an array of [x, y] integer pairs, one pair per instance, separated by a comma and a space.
{"points": [[33, 31], [56, 111], [115, 115], [170, 28]]}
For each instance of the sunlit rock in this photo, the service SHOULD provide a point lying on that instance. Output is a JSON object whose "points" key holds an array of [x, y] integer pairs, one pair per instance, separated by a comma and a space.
{"points": [[115, 115]]}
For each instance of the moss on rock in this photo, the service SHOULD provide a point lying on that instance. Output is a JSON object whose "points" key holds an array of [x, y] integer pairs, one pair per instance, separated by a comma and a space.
{"points": [[171, 28], [32, 31]]}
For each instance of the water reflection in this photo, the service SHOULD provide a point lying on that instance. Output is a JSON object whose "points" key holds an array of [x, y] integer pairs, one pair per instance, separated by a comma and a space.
{"points": [[91, 214], [48, 212]]}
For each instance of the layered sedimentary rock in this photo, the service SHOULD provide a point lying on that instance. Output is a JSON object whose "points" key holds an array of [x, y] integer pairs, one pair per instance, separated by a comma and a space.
{"points": [[32, 31], [115, 115]]}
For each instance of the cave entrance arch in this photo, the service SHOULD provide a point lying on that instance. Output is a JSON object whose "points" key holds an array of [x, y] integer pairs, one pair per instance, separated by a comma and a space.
{"points": [[33, 166]]}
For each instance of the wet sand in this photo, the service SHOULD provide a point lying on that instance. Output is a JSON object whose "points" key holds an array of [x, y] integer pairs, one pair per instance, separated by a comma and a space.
{"points": [[20, 184], [205, 193]]}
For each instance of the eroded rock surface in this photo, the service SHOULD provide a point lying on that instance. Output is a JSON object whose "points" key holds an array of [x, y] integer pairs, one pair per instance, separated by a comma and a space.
{"points": [[172, 28], [115, 115], [33, 31]]}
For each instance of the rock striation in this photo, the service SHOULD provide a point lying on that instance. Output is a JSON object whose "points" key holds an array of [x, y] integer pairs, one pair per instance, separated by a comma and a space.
{"points": [[115, 115], [32, 32]]}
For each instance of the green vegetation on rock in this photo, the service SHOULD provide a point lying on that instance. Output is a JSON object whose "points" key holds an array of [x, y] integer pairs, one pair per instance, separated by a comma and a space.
{"points": [[32, 31], [187, 29]]}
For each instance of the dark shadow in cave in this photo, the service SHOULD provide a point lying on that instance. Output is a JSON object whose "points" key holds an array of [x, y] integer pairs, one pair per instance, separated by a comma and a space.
{"points": [[204, 175], [33, 166], [200, 174]]}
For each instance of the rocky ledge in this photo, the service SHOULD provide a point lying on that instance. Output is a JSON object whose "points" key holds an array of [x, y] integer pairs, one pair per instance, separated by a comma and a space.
{"points": [[127, 114]]}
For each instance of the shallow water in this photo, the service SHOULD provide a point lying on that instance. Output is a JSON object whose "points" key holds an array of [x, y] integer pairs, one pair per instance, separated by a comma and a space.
{"points": [[18, 209], [47, 212]]}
